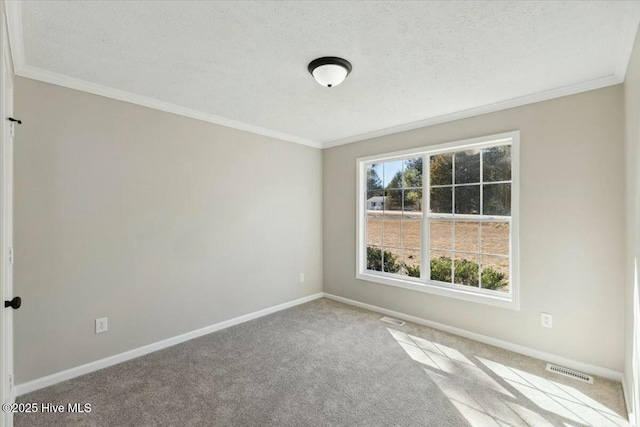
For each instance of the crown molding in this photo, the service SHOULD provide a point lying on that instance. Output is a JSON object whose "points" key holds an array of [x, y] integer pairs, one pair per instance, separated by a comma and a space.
{"points": [[601, 82], [96, 89], [14, 20], [109, 92]]}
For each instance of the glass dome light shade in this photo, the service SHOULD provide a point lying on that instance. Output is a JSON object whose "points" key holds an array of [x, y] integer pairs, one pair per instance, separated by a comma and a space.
{"points": [[330, 75], [330, 71]]}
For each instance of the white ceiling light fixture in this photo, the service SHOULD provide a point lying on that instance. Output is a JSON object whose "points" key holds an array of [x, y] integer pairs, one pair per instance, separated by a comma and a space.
{"points": [[329, 71]]}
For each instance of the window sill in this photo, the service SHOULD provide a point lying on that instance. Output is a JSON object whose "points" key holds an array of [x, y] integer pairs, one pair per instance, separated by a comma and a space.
{"points": [[506, 301]]}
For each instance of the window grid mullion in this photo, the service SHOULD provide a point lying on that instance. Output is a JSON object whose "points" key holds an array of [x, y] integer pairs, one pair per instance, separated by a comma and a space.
{"points": [[468, 184], [453, 214], [363, 257], [402, 209], [400, 248], [470, 218], [465, 252], [364, 214], [425, 259], [384, 208], [479, 223]]}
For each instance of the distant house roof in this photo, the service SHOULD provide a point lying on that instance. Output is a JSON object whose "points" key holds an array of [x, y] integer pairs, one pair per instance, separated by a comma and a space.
{"points": [[376, 199]]}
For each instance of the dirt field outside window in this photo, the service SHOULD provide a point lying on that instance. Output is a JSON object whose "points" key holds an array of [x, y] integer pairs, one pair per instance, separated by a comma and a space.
{"points": [[402, 236]]}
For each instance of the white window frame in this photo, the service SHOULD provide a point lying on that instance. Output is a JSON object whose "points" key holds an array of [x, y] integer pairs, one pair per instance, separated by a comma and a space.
{"points": [[509, 300]]}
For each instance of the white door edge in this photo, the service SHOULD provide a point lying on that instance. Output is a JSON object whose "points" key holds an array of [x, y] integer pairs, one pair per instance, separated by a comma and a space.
{"points": [[7, 383]]}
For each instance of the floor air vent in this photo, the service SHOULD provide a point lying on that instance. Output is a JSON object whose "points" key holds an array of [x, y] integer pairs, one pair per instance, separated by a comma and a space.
{"points": [[392, 321], [570, 373]]}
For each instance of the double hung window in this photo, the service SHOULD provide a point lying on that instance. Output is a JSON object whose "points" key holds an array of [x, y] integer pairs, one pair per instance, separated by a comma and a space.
{"points": [[442, 219]]}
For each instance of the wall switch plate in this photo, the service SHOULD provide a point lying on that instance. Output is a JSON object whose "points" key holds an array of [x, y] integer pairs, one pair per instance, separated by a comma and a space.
{"points": [[546, 320], [102, 325], [301, 277]]}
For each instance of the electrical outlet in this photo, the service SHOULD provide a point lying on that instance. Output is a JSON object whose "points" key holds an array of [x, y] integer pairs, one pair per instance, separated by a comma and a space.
{"points": [[102, 325], [546, 320], [301, 277]]}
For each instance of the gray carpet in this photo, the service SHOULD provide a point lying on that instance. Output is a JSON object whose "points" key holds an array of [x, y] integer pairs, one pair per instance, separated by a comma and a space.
{"points": [[328, 364]]}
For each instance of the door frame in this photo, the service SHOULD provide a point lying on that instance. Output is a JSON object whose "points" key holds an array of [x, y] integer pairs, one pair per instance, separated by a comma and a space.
{"points": [[7, 386]]}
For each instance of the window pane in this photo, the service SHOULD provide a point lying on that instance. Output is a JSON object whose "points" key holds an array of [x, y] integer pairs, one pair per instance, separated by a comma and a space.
{"points": [[391, 233], [393, 202], [440, 266], [374, 230], [495, 238], [496, 199], [465, 270], [392, 260], [413, 172], [468, 199], [467, 236], [374, 258], [495, 273], [392, 174], [375, 200], [374, 176], [441, 172], [411, 263], [441, 200], [413, 203], [441, 234], [467, 166], [496, 164], [411, 234], [465, 248]]}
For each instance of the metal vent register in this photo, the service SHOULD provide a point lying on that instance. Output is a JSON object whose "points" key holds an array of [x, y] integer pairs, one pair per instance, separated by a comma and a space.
{"points": [[570, 373], [392, 321]]}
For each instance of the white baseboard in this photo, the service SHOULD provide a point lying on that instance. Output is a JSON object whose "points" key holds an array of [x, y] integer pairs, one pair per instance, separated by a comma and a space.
{"points": [[627, 402], [548, 357], [52, 379]]}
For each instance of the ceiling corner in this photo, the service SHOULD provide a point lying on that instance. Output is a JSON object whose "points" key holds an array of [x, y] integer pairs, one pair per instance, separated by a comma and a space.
{"points": [[13, 10], [626, 49]]}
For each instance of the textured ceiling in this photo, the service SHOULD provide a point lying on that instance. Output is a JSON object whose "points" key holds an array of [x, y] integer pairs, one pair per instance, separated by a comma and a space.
{"points": [[246, 62]]}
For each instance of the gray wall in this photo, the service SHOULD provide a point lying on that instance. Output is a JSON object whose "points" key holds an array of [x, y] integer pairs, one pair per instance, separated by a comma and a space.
{"points": [[632, 124], [162, 223], [571, 233]]}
